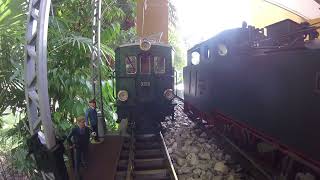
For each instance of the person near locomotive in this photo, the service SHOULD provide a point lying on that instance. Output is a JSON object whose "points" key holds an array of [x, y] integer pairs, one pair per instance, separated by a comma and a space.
{"points": [[79, 139], [91, 114]]}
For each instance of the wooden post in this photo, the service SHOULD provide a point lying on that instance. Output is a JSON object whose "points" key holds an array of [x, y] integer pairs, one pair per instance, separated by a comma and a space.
{"points": [[152, 18]]}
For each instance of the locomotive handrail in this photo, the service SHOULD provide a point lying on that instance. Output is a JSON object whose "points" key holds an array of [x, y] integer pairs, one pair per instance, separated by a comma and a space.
{"points": [[176, 80]]}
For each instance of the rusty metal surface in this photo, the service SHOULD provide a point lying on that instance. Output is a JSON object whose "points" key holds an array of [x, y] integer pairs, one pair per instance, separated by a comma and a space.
{"points": [[103, 159]]}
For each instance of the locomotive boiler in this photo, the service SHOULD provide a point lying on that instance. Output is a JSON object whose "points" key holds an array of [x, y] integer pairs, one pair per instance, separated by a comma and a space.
{"points": [[261, 86]]}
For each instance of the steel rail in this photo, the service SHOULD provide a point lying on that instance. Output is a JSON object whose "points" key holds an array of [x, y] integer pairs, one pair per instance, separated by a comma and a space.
{"points": [[131, 158], [172, 171], [148, 158], [247, 157], [241, 152]]}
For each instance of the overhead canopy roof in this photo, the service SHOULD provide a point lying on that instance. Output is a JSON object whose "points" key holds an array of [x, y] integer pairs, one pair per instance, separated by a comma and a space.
{"points": [[307, 9]]}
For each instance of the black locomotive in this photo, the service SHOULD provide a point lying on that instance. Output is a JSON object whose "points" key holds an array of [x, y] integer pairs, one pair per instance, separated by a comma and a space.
{"points": [[261, 86], [144, 83]]}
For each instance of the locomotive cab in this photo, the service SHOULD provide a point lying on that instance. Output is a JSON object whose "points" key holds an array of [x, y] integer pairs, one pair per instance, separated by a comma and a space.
{"points": [[144, 83]]}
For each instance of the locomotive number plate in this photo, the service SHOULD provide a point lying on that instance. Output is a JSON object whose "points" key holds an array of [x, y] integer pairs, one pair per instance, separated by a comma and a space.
{"points": [[146, 83]]}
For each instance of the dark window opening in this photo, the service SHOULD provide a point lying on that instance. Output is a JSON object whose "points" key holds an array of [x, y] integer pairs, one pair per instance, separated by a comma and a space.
{"points": [[145, 64], [131, 65], [159, 65]]}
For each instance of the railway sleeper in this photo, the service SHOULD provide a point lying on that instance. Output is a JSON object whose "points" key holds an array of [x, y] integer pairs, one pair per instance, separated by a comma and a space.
{"points": [[149, 153], [149, 164], [147, 157], [143, 164], [157, 174], [147, 145]]}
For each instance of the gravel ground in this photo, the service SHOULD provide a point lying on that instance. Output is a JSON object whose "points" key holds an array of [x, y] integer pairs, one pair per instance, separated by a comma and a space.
{"points": [[195, 155]]}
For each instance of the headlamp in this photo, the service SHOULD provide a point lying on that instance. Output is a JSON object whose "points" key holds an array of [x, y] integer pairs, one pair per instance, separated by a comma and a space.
{"points": [[123, 95], [168, 93], [145, 45]]}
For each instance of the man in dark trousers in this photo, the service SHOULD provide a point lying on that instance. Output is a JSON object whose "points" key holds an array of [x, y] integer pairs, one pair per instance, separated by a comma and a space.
{"points": [[91, 114], [79, 139]]}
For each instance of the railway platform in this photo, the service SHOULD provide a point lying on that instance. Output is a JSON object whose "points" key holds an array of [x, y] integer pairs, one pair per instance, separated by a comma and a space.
{"points": [[102, 159]]}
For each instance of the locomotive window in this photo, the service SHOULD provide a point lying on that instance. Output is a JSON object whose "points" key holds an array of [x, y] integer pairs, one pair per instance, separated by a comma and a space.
{"points": [[195, 58], [145, 64], [222, 50], [131, 65], [159, 65], [207, 52]]}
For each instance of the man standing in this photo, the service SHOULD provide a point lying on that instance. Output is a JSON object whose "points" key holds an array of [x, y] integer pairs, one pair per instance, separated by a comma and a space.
{"points": [[91, 113], [79, 140]]}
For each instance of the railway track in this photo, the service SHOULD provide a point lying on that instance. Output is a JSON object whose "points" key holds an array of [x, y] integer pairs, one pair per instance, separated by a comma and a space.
{"points": [[250, 167], [145, 157], [256, 164]]}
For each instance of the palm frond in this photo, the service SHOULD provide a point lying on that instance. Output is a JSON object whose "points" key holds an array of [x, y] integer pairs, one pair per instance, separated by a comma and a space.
{"points": [[85, 44], [12, 15]]}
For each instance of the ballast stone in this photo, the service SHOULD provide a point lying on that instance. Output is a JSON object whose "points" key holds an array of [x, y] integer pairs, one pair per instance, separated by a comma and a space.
{"points": [[194, 153], [220, 167]]}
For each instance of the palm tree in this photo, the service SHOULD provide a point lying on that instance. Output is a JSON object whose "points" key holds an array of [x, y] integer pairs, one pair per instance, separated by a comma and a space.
{"points": [[69, 70], [11, 54]]}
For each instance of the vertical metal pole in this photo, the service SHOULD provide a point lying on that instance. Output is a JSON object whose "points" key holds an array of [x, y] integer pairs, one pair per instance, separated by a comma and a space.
{"points": [[96, 65], [35, 77]]}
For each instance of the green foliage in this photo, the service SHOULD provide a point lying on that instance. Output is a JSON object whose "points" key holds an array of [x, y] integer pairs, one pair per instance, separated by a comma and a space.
{"points": [[11, 17], [109, 103], [180, 55], [175, 41], [172, 14], [70, 52], [11, 54], [13, 146], [69, 67]]}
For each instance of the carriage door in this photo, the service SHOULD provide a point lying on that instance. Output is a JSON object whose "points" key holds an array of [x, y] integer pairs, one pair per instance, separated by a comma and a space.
{"points": [[144, 84]]}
